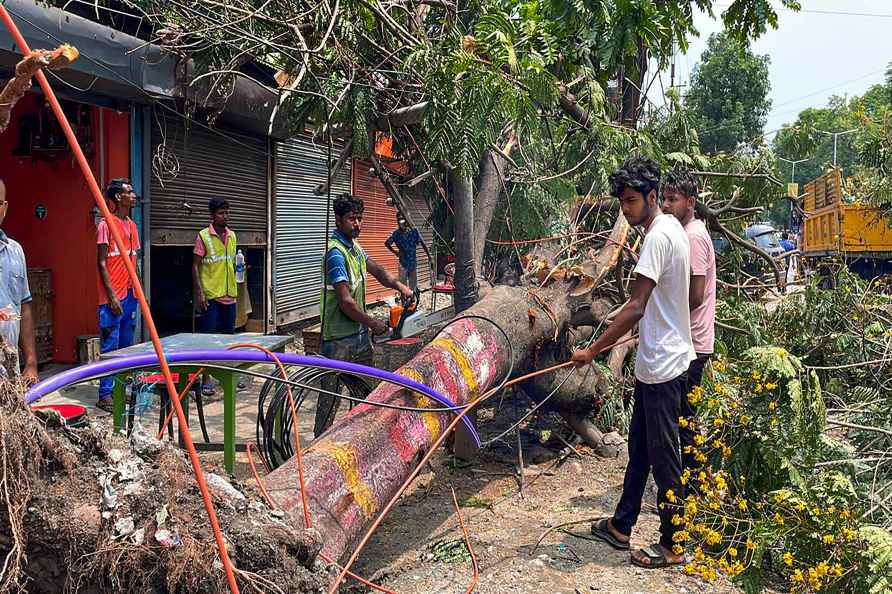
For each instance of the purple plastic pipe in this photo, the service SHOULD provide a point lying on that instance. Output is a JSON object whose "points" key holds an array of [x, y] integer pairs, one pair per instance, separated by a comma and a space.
{"points": [[118, 364]]}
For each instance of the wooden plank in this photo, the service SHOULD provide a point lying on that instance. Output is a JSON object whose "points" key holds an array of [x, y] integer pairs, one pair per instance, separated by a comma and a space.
{"points": [[40, 282]]}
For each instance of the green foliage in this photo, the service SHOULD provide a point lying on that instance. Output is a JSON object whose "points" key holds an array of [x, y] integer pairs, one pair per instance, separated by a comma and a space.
{"points": [[794, 447], [450, 551], [879, 559], [728, 98], [477, 501]]}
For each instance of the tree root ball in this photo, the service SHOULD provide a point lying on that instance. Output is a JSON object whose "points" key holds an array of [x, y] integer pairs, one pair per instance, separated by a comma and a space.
{"points": [[85, 510]]}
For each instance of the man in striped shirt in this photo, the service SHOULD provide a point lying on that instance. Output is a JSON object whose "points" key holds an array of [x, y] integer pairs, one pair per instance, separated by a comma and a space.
{"points": [[117, 305]]}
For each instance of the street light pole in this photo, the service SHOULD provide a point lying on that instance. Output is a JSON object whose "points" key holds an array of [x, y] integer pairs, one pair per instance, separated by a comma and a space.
{"points": [[793, 163], [836, 136]]}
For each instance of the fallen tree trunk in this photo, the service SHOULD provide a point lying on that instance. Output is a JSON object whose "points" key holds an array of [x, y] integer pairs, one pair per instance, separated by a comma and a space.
{"points": [[353, 469]]}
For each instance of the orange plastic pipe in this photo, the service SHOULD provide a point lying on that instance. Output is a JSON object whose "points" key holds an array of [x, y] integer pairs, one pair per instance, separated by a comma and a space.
{"points": [[137, 290]]}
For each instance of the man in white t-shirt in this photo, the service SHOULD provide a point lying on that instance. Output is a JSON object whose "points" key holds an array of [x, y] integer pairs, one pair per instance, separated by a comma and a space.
{"points": [[680, 200], [659, 305]]}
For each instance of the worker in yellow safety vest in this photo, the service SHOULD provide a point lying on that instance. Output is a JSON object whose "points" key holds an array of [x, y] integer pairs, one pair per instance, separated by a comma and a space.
{"points": [[345, 323], [213, 275]]}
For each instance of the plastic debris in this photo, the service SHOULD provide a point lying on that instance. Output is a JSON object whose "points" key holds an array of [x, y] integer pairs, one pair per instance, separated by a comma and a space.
{"points": [[161, 515], [138, 536], [124, 527], [142, 442], [109, 496], [221, 485], [167, 538]]}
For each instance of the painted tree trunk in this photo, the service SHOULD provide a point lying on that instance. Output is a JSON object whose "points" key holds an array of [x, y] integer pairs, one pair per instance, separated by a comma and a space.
{"points": [[353, 469]]}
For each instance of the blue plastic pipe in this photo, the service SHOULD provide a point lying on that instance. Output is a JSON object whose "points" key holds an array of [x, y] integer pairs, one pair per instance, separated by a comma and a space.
{"points": [[118, 364]]}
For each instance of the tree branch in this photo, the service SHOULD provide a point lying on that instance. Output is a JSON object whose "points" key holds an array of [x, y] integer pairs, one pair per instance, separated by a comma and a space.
{"points": [[19, 84], [711, 217], [339, 164], [766, 176]]}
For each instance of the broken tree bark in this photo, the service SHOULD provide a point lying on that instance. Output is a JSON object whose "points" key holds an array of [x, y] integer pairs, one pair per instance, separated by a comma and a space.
{"points": [[353, 469], [20, 84]]}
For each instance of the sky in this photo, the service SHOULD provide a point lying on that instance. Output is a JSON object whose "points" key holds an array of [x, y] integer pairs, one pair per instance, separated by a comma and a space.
{"points": [[815, 53]]}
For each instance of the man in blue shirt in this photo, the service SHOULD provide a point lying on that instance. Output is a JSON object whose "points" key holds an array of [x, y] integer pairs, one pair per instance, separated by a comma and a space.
{"points": [[345, 322], [787, 243], [403, 243], [16, 320]]}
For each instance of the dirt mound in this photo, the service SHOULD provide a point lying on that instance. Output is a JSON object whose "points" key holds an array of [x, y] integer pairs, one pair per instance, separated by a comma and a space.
{"points": [[88, 510]]}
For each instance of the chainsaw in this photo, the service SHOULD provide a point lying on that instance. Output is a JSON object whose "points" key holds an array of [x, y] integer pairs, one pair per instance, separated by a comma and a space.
{"points": [[406, 320]]}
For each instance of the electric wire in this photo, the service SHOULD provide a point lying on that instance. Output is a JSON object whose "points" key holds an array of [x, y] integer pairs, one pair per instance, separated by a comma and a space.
{"points": [[530, 412], [421, 464]]}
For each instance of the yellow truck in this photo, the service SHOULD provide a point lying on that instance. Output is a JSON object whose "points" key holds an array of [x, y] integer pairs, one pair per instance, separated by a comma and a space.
{"points": [[857, 234]]}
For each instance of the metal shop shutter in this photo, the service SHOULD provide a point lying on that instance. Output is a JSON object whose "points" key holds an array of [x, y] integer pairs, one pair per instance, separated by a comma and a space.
{"points": [[378, 222], [299, 224], [190, 165]]}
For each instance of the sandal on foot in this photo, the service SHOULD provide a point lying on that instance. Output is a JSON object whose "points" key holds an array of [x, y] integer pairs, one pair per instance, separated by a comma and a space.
{"points": [[106, 404], [601, 529], [656, 556]]}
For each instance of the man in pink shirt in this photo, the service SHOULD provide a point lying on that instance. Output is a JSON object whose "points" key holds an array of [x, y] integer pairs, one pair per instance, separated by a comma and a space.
{"points": [[680, 199]]}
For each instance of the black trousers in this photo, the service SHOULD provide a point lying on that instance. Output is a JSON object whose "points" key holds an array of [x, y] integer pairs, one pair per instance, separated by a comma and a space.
{"points": [[653, 445], [686, 434]]}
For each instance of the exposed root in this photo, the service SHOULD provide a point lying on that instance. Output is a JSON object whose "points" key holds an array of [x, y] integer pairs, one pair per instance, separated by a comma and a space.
{"points": [[83, 511], [20, 83]]}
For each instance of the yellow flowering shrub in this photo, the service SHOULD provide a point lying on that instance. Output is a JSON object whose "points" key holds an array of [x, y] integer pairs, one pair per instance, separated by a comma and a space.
{"points": [[758, 504]]}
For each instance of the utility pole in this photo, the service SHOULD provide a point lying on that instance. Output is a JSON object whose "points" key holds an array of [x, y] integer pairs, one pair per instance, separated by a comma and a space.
{"points": [[672, 69], [836, 136]]}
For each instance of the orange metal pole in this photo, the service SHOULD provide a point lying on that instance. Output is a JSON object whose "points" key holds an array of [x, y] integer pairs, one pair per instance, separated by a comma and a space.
{"points": [[138, 291]]}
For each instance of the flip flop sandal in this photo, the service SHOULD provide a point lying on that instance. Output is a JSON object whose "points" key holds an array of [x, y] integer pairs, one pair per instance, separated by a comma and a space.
{"points": [[656, 556], [601, 530]]}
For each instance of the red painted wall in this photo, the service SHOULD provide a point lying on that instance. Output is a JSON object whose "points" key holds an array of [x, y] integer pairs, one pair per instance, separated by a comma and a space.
{"points": [[65, 240]]}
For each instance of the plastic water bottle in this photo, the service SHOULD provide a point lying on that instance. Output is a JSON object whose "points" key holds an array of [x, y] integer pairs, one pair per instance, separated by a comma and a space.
{"points": [[239, 267]]}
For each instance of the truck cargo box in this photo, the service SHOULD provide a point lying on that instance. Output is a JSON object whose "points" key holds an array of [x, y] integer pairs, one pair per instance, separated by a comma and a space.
{"points": [[847, 229]]}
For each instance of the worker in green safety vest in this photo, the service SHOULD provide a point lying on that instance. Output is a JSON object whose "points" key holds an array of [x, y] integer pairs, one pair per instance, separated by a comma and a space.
{"points": [[345, 323]]}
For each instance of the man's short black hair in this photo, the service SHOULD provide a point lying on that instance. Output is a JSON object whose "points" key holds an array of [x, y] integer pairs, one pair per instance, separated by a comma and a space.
{"points": [[215, 204], [115, 187], [682, 181], [347, 203], [638, 173]]}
